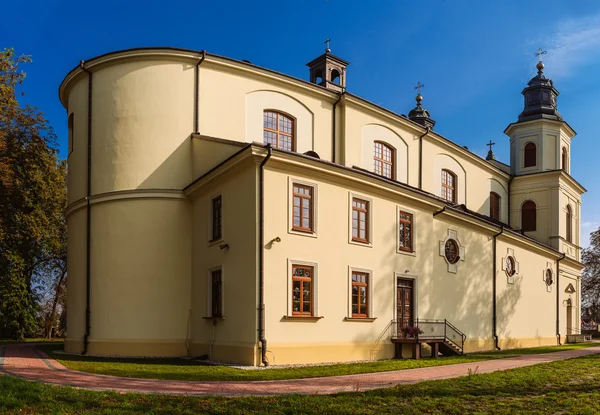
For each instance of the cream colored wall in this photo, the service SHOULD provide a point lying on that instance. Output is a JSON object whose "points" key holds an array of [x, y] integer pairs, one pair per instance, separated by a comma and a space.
{"points": [[77, 159], [231, 104], [526, 309], [541, 192], [76, 267], [237, 330], [333, 254], [206, 154]]}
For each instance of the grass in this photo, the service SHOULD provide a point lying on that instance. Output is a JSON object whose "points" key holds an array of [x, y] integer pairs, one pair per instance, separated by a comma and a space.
{"points": [[182, 369], [564, 387]]}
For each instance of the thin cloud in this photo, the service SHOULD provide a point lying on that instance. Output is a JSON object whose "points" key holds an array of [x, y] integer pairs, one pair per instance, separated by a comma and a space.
{"points": [[575, 43]]}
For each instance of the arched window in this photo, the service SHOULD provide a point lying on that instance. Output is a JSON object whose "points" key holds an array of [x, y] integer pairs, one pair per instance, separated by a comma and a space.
{"points": [[528, 216], [569, 219], [494, 205], [449, 186], [335, 76], [318, 77], [70, 127], [564, 159], [530, 155], [384, 160], [278, 130]]}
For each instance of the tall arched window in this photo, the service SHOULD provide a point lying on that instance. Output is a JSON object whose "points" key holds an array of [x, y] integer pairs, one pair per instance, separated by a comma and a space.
{"points": [[278, 130], [335, 76], [569, 219], [564, 159], [530, 155], [449, 185], [494, 205], [528, 216], [384, 160]]}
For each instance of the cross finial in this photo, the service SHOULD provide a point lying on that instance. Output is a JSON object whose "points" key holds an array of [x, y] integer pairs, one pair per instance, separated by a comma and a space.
{"points": [[418, 87], [539, 53], [490, 155], [327, 48], [490, 144]]}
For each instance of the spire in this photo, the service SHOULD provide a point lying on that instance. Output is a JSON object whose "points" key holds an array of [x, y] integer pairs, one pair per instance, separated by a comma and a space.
{"points": [[419, 114], [490, 154], [540, 95]]}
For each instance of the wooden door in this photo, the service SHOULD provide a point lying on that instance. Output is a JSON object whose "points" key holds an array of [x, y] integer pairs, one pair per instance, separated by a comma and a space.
{"points": [[404, 305]]}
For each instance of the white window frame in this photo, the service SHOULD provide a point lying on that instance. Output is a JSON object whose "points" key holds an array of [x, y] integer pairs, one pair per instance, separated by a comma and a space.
{"points": [[371, 282], [315, 287], [315, 207], [209, 291], [210, 219], [369, 200], [414, 227]]}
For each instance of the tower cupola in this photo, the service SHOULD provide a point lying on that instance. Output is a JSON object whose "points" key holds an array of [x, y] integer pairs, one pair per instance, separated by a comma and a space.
{"points": [[540, 96], [419, 114], [328, 70]]}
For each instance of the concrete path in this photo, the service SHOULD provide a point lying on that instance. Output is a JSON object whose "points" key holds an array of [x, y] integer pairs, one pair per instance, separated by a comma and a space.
{"points": [[27, 362]]}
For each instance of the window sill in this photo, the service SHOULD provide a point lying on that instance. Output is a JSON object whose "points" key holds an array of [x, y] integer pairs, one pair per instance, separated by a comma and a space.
{"points": [[410, 253], [361, 243], [213, 318], [310, 234], [215, 241], [361, 319], [303, 318]]}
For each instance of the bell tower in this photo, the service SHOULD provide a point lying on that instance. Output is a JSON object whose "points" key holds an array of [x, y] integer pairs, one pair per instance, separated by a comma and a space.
{"points": [[328, 70], [545, 200]]}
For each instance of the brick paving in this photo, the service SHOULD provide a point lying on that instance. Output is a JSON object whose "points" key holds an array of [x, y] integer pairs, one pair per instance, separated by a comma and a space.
{"points": [[27, 362]]}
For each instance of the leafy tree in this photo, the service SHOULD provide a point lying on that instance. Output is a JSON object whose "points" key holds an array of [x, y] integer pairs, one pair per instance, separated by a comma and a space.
{"points": [[32, 203], [590, 279]]}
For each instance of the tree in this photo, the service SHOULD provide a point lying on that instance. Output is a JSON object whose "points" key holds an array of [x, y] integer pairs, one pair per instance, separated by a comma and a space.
{"points": [[590, 280], [32, 203]]}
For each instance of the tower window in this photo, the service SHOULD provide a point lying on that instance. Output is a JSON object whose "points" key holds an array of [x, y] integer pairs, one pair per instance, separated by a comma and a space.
{"points": [[494, 205], [278, 130], [530, 155], [569, 219], [528, 216], [384, 160], [335, 76], [70, 126], [564, 159], [449, 186]]}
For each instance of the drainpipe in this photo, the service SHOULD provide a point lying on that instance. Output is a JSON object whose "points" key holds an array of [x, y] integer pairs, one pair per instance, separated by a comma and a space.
{"points": [[440, 211], [197, 91], [494, 307], [427, 130], [333, 127], [558, 299], [88, 215], [261, 264]]}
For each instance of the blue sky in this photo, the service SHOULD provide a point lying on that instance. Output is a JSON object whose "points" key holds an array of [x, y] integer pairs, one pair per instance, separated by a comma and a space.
{"points": [[474, 57]]}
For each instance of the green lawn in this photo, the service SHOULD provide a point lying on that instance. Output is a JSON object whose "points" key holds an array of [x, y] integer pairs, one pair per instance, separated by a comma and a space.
{"points": [[182, 369], [565, 387]]}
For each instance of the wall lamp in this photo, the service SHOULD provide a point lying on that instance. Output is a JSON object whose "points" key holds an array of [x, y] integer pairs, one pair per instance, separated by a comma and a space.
{"points": [[224, 246]]}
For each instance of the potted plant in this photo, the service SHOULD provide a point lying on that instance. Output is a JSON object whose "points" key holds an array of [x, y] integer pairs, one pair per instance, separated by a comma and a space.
{"points": [[411, 331]]}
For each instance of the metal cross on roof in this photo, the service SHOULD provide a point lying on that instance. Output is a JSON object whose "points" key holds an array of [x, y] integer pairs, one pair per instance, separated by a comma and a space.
{"points": [[327, 48], [539, 53], [490, 144], [419, 86]]}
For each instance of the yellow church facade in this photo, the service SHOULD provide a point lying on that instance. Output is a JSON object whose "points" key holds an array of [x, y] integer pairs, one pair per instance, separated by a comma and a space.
{"points": [[223, 209]]}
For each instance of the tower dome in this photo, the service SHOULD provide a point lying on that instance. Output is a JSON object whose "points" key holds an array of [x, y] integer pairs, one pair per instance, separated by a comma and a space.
{"points": [[540, 96], [419, 114]]}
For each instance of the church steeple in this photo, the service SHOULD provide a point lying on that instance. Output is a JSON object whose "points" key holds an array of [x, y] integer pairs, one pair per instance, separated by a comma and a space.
{"points": [[419, 114], [540, 96], [328, 70]]}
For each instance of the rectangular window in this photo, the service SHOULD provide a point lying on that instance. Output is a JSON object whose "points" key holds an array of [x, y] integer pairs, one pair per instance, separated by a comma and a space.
{"points": [[303, 208], [360, 220], [302, 290], [494, 206], [405, 231], [216, 293], [360, 294], [217, 231]]}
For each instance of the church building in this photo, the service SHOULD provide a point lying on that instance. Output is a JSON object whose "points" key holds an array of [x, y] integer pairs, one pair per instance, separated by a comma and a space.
{"points": [[219, 208]]}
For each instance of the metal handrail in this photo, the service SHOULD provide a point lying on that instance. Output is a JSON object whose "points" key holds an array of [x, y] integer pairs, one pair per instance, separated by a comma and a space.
{"points": [[447, 325]]}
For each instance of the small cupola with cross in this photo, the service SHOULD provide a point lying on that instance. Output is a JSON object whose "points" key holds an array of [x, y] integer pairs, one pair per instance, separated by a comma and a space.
{"points": [[419, 114], [328, 70]]}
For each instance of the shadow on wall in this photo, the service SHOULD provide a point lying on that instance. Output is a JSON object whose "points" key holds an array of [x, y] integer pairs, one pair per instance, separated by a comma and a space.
{"points": [[180, 162]]}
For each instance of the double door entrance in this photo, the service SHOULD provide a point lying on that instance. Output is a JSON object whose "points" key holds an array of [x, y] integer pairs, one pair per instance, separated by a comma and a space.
{"points": [[404, 305]]}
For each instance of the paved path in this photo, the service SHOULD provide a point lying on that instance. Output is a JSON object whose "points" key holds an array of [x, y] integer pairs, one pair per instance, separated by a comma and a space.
{"points": [[27, 362]]}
